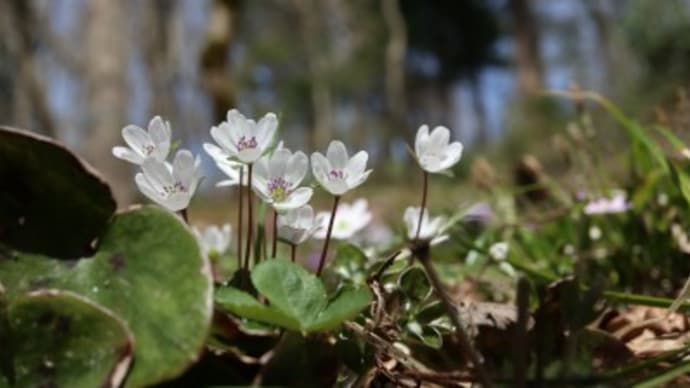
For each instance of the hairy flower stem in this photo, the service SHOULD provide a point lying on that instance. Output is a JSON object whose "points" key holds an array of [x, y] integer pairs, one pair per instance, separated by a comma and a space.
{"points": [[425, 189], [184, 215], [240, 210], [293, 252], [424, 256], [250, 218], [274, 247], [324, 252]]}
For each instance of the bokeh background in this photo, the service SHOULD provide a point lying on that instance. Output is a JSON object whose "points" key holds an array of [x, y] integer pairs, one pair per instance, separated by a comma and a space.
{"points": [[368, 72]]}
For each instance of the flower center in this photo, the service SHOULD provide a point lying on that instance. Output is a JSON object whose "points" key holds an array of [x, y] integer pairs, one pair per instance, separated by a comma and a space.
{"points": [[148, 149], [245, 143], [278, 189], [178, 187], [336, 175]]}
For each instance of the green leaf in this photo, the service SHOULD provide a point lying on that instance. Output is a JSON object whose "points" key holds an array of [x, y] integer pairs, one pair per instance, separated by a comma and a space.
{"points": [[243, 304], [665, 376], [346, 305], [350, 264], [298, 299], [291, 289], [150, 272], [61, 339], [51, 202], [415, 285], [681, 179]]}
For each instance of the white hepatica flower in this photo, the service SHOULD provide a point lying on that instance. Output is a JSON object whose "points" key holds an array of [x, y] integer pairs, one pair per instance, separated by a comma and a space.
{"points": [[142, 144], [244, 139], [297, 225], [350, 219], [336, 172], [229, 167], [432, 228], [434, 154], [171, 186], [277, 177], [499, 251], [214, 241]]}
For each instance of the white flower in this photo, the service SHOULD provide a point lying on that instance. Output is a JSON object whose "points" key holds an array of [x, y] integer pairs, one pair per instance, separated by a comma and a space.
{"points": [[297, 225], [336, 172], [171, 186], [229, 167], [594, 233], [244, 139], [213, 240], [349, 219], [499, 251], [434, 154], [432, 228], [152, 144], [277, 177], [617, 204]]}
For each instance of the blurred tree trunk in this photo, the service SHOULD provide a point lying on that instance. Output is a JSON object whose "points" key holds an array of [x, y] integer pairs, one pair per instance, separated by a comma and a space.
{"points": [[318, 62], [27, 95], [478, 108], [158, 55], [106, 66], [529, 67], [395, 72], [216, 77]]}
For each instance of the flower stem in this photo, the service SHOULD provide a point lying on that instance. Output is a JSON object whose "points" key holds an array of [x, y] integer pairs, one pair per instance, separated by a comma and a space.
{"points": [[293, 252], [423, 255], [184, 215], [240, 210], [250, 218], [324, 252], [425, 189], [275, 234]]}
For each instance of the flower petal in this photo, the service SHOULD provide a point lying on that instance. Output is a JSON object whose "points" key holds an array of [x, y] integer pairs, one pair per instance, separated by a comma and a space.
{"points": [[159, 132], [439, 138], [127, 154], [146, 188], [222, 136], [137, 139], [320, 167], [337, 155], [277, 163], [357, 164], [266, 129], [157, 174], [452, 155], [184, 168], [296, 199], [421, 140], [296, 168]]}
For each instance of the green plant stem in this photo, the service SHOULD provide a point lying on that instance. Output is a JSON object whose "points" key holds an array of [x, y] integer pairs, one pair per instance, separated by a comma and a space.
{"points": [[274, 248], [466, 347], [425, 189], [324, 252], [250, 217], [240, 208]]}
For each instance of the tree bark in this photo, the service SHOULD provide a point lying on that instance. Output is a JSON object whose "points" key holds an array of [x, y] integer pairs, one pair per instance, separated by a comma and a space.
{"points": [[106, 66], [526, 31], [318, 63], [395, 71]]}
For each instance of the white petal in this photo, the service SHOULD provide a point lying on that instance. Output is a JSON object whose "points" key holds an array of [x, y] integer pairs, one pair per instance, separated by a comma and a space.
{"points": [[266, 129], [184, 167], [221, 135], [157, 174], [320, 168], [177, 202], [145, 187], [439, 138], [421, 140], [159, 133], [249, 155], [217, 153], [137, 139], [296, 168], [358, 163], [337, 155], [358, 180], [296, 199], [127, 154], [452, 155], [278, 163]]}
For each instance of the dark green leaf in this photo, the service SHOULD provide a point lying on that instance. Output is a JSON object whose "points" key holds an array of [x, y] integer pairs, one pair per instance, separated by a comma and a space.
{"points": [[61, 339], [346, 305], [51, 202], [414, 284], [242, 304]]}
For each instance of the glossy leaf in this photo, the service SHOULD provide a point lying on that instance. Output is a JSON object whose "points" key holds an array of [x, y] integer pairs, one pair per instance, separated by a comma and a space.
{"points": [[43, 185]]}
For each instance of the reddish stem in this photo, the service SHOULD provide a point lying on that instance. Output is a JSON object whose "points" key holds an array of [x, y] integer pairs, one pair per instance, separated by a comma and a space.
{"points": [[324, 252], [425, 188], [250, 216], [274, 248], [293, 252], [239, 220]]}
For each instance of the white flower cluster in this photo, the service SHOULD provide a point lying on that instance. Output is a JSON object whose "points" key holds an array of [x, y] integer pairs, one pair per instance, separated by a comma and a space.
{"points": [[170, 185]]}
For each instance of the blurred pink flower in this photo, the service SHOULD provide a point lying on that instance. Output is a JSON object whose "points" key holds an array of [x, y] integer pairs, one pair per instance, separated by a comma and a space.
{"points": [[617, 204]]}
